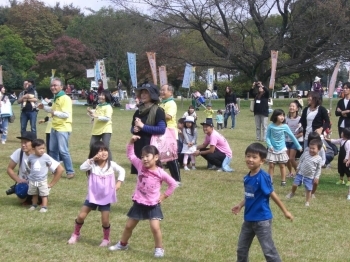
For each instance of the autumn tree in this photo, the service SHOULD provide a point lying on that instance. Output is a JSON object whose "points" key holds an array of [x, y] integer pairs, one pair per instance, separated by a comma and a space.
{"points": [[66, 13], [70, 57], [35, 23], [241, 33]]}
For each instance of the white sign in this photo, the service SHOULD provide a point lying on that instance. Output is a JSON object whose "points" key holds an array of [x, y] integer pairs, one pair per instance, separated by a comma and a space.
{"points": [[94, 84], [90, 73]]}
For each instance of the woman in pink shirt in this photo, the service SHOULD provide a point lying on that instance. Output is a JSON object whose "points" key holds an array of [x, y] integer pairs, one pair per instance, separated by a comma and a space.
{"points": [[147, 196]]}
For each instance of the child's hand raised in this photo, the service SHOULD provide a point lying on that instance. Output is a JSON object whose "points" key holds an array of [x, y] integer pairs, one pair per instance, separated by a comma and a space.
{"points": [[134, 138]]}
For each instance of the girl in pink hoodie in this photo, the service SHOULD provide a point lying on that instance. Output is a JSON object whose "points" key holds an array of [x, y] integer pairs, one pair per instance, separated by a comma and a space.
{"points": [[147, 196]]}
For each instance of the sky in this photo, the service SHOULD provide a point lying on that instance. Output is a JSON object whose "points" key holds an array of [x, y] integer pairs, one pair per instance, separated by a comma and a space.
{"points": [[93, 4]]}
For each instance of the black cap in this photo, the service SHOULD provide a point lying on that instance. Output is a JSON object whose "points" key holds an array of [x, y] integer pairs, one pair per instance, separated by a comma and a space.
{"points": [[207, 123], [152, 90], [30, 136]]}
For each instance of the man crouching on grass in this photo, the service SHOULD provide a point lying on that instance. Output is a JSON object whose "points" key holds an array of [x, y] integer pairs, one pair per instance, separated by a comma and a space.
{"points": [[258, 189]]}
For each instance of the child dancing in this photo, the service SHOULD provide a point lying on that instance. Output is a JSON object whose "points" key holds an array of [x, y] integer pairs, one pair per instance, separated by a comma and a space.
{"points": [[102, 188], [147, 197], [190, 141], [275, 140]]}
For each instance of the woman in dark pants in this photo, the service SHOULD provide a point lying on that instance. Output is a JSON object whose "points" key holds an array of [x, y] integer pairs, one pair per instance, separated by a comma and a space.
{"points": [[343, 109], [230, 103]]}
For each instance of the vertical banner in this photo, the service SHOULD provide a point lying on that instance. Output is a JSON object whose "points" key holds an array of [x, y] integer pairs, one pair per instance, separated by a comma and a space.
{"points": [[97, 71], [1, 81], [186, 81], [349, 75], [152, 62], [132, 68], [163, 78], [210, 78], [333, 80], [103, 74], [193, 76], [53, 71], [274, 56]]}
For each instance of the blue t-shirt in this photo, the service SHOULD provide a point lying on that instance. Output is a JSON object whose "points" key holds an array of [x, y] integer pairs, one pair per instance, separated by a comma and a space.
{"points": [[257, 190]]}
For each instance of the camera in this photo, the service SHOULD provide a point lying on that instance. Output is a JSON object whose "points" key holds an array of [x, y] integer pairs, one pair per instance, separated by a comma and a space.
{"points": [[11, 190]]}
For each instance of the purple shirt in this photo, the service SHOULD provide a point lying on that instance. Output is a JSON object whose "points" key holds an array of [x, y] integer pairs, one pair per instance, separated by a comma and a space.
{"points": [[220, 142]]}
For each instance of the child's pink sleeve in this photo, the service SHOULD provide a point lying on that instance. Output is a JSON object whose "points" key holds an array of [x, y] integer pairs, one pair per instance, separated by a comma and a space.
{"points": [[132, 157], [172, 184]]}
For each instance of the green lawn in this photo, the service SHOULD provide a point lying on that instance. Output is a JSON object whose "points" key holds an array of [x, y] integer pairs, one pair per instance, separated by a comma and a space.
{"points": [[198, 224]]}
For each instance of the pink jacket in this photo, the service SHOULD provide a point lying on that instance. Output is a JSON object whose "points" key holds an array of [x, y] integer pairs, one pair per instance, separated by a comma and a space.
{"points": [[149, 182]]}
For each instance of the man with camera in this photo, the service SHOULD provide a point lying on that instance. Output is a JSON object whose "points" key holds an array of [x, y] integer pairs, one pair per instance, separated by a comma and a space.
{"points": [[20, 157]]}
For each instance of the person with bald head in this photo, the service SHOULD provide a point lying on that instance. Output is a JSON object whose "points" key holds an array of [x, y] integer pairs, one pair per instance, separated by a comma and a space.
{"points": [[170, 110]]}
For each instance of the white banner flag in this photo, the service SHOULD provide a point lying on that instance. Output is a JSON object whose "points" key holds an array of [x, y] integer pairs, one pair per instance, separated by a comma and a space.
{"points": [[186, 81], [210, 78], [163, 78], [333, 80]]}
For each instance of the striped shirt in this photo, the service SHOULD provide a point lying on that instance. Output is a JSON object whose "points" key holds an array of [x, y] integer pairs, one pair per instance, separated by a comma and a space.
{"points": [[309, 166]]}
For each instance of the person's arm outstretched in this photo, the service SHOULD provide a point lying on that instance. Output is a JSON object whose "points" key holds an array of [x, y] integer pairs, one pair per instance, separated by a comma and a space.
{"points": [[131, 153], [280, 204]]}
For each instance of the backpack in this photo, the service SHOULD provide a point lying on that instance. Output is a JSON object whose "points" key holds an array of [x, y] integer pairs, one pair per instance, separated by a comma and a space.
{"points": [[334, 147]]}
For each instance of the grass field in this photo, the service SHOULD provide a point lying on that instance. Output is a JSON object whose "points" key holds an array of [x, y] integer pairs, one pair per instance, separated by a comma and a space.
{"points": [[198, 224]]}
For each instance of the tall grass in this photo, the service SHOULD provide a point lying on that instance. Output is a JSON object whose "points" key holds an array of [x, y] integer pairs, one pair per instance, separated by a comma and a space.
{"points": [[198, 224]]}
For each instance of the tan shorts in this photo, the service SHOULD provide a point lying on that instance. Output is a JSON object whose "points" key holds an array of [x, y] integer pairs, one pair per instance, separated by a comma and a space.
{"points": [[38, 188]]}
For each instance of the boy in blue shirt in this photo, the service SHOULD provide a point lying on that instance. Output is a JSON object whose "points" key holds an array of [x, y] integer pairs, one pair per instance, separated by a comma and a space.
{"points": [[257, 213]]}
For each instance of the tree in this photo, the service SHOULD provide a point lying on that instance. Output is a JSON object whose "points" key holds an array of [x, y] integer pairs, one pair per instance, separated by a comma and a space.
{"points": [[66, 13], [35, 23], [241, 33], [70, 57]]}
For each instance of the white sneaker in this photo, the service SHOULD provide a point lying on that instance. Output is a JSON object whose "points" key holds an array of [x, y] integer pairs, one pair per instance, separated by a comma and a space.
{"points": [[313, 196], [32, 208], [118, 246], [348, 197], [290, 195], [43, 210], [307, 204], [3, 142], [186, 168], [193, 168], [220, 170], [158, 252]]}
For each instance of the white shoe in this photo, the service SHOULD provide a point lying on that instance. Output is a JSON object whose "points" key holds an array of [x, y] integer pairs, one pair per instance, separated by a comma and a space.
{"points": [[348, 197], [43, 210], [220, 170], [118, 246], [193, 168], [307, 204], [186, 168], [158, 252], [313, 196], [32, 208], [3, 142], [289, 196]]}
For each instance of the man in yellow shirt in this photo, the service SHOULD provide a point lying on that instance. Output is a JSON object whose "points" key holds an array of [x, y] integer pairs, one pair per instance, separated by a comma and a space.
{"points": [[170, 109], [61, 112]]}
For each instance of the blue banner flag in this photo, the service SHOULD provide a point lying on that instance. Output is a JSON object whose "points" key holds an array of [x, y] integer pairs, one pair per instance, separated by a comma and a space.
{"points": [[132, 68]]}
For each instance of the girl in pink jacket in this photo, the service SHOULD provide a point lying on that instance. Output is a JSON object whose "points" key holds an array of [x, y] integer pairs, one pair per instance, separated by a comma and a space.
{"points": [[147, 196]]}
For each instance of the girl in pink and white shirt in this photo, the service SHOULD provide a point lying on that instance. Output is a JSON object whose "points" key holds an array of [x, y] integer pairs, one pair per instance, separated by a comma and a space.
{"points": [[147, 196]]}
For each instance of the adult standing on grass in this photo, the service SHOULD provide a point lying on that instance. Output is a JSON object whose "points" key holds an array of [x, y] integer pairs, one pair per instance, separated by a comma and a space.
{"points": [[219, 153], [258, 189], [230, 104], [102, 120], [5, 113], [343, 109], [261, 109], [148, 119], [314, 117], [20, 157], [170, 110], [28, 111], [62, 118]]}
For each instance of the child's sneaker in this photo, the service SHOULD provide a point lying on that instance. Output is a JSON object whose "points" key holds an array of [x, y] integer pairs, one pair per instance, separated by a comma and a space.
{"points": [[348, 197], [220, 170], [73, 239], [186, 168], [105, 243], [283, 183], [43, 210], [193, 168], [340, 182], [307, 204], [290, 195], [158, 252], [118, 246], [32, 208], [313, 196]]}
